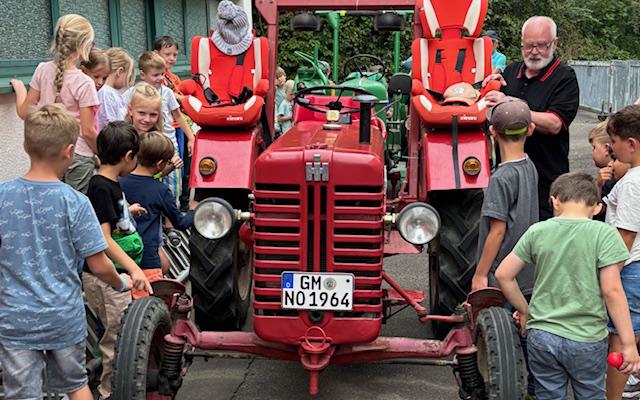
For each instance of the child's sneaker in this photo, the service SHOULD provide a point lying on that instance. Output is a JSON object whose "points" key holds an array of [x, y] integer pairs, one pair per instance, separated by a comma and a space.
{"points": [[632, 388]]}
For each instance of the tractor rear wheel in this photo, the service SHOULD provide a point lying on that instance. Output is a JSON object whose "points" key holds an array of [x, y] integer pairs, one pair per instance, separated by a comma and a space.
{"points": [[220, 277], [500, 357], [452, 256], [139, 350]]}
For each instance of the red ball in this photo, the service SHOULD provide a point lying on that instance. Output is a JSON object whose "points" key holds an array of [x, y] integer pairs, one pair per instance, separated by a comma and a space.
{"points": [[615, 360]]}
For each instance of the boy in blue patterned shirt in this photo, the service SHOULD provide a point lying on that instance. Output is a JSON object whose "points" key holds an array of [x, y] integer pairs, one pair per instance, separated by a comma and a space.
{"points": [[47, 230]]}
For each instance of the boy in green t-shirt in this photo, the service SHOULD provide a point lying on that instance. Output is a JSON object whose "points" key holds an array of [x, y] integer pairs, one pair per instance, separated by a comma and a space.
{"points": [[577, 271]]}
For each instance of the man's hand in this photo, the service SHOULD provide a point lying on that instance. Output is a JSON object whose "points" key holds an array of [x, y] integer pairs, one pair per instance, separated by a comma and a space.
{"points": [[190, 144], [604, 175], [137, 210], [494, 97], [494, 77], [479, 282], [631, 360], [521, 321], [140, 281]]}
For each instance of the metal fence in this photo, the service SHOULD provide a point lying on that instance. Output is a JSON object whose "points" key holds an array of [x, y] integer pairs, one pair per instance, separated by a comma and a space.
{"points": [[607, 85]]}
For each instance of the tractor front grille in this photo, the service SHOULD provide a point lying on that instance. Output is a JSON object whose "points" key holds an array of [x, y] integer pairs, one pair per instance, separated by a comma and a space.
{"points": [[318, 227]]}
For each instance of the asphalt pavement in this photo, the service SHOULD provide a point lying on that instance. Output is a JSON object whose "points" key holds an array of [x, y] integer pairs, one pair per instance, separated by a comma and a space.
{"points": [[253, 379]]}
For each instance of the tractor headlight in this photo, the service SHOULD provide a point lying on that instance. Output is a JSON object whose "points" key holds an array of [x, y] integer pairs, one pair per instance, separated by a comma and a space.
{"points": [[214, 218], [207, 166], [418, 223]]}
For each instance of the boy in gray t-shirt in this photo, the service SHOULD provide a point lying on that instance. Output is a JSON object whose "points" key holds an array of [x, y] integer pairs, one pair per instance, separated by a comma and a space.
{"points": [[510, 205]]}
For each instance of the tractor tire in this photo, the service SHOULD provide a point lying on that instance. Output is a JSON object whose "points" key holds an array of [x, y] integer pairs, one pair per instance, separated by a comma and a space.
{"points": [[139, 349], [452, 256], [220, 276], [500, 357]]}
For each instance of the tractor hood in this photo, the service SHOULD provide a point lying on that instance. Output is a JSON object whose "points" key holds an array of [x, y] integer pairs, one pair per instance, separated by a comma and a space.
{"points": [[308, 152]]}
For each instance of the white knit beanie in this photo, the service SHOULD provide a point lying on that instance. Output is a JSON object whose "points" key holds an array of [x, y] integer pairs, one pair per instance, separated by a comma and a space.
{"points": [[233, 35]]}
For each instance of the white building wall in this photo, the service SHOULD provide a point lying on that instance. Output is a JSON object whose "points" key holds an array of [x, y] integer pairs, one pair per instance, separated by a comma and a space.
{"points": [[13, 159]]}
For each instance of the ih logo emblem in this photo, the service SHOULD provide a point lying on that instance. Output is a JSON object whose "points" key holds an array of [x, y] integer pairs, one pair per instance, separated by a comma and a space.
{"points": [[317, 171], [329, 283]]}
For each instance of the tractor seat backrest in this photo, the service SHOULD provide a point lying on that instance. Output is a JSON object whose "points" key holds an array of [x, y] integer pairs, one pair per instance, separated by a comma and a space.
{"points": [[225, 74], [451, 50]]}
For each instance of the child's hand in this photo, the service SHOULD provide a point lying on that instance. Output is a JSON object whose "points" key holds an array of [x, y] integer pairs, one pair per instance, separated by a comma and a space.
{"points": [[604, 175], [128, 282], [479, 282], [631, 360], [190, 144], [177, 161], [18, 86], [140, 281], [521, 321], [137, 210]]}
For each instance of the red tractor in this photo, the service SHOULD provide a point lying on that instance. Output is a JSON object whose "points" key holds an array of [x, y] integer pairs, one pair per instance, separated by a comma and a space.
{"points": [[299, 228]]}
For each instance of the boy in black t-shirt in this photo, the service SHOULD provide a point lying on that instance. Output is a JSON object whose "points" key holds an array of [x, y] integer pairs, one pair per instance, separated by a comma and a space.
{"points": [[117, 148]]}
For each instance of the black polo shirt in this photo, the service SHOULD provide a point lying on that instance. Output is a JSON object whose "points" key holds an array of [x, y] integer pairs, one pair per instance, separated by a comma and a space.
{"points": [[554, 90]]}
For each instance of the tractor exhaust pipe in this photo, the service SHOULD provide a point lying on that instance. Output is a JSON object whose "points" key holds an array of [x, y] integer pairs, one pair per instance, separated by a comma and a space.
{"points": [[366, 104]]}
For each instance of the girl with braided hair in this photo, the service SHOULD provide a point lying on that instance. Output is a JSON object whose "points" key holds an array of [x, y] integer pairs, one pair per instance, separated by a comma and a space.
{"points": [[61, 81]]}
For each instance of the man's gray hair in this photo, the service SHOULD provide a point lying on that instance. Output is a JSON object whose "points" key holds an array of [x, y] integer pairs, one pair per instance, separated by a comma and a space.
{"points": [[539, 18]]}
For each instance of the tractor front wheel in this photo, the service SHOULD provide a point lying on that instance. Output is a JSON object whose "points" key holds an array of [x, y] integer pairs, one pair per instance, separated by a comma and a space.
{"points": [[139, 350], [500, 357], [452, 256], [221, 277]]}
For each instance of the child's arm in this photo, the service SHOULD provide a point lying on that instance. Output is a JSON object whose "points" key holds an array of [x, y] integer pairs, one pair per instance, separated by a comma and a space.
{"points": [[179, 220], [88, 128], [178, 117], [100, 265], [497, 229], [24, 99], [115, 252], [618, 310], [506, 274], [283, 118]]}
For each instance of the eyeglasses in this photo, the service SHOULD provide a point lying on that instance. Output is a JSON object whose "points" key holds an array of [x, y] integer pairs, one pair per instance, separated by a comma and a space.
{"points": [[539, 46]]}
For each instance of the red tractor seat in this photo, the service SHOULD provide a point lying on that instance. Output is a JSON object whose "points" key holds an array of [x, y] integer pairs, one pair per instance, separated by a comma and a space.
{"points": [[445, 56], [227, 77]]}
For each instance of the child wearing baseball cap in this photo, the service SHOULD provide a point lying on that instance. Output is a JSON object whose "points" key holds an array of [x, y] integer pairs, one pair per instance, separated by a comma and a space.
{"points": [[510, 204]]}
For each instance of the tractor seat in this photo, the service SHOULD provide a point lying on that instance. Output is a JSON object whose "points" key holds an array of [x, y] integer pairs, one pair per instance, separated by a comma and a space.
{"points": [[237, 83], [451, 52]]}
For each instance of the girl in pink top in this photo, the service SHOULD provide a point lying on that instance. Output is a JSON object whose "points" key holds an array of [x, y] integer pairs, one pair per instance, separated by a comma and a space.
{"points": [[61, 81]]}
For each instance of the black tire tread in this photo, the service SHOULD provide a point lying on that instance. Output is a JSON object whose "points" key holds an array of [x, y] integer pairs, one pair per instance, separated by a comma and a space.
{"points": [[504, 352], [139, 322], [458, 241]]}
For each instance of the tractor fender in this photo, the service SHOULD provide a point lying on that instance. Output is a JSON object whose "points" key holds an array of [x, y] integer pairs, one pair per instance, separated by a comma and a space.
{"points": [[443, 154], [234, 154]]}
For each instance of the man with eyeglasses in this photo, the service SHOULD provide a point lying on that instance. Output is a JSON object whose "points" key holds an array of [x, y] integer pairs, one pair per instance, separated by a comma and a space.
{"points": [[551, 89]]}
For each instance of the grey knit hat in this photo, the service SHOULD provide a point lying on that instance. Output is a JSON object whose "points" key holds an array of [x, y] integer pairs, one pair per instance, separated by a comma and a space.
{"points": [[233, 35]]}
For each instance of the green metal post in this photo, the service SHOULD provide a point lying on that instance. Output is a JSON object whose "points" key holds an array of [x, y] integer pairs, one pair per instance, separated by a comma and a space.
{"points": [[396, 52], [334, 21]]}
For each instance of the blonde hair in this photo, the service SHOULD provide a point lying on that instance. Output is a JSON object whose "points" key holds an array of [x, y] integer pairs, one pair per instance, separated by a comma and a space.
{"points": [[279, 72], [119, 58], [73, 35], [599, 134], [96, 58], [150, 59], [48, 130], [144, 92], [154, 147], [288, 86]]}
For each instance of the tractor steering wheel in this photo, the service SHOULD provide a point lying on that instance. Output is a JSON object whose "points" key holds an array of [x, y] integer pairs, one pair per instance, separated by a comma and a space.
{"points": [[364, 71], [331, 105]]}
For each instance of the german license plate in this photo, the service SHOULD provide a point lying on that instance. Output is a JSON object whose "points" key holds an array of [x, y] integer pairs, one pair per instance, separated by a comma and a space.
{"points": [[309, 291]]}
